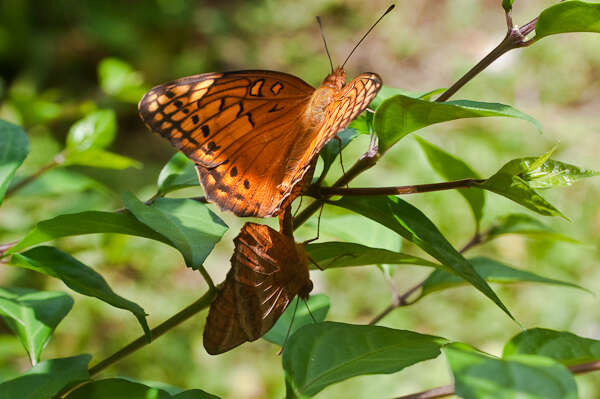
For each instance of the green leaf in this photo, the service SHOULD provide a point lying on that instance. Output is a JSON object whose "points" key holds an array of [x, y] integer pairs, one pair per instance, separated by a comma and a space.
{"points": [[300, 316], [118, 79], [14, 148], [478, 375], [507, 5], [344, 254], [570, 16], [518, 223], [98, 158], [413, 225], [492, 271], [551, 173], [387, 92], [33, 316], [46, 379], [322, 354], [562, 346], [332, 149], [189, 225], [194, 394], [119, 388], [452, 168], [400, 115], [96, 130], [509, 182], [77, 276], [90, 222], [178, 173]]}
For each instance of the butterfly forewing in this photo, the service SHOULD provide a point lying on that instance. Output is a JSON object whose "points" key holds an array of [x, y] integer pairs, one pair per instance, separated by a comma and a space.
{"points": [[252, 133]]}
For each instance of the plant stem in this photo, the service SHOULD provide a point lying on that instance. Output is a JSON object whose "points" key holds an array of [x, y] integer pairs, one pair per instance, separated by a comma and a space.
{"points": [[368, 160], [400, 190], [156, 332], [515, 38], [448, 390], [58, 160], [402, 300]]}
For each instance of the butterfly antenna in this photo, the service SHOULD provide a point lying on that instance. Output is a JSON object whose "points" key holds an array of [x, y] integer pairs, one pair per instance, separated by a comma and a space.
{"points": [[309, 312], [287, 335], [325, 42], [390, 8]]}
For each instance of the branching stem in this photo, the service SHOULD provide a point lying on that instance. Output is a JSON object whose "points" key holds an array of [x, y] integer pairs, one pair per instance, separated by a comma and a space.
{"points": [[156, 332]]}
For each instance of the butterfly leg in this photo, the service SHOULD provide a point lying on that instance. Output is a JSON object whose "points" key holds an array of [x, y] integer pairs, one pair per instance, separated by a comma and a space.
{"points": [[286, 222], [339, 140], [318, 227]]}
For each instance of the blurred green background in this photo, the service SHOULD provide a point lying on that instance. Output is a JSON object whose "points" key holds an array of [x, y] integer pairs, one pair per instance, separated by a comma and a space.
{"points": [[50, 54]]}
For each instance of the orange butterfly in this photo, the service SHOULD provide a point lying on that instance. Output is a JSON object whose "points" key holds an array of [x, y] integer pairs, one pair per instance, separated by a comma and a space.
{"points": [[254, 134], [268, 269]]}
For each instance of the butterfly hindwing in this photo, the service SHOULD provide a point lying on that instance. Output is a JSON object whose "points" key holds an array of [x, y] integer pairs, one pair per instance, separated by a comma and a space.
{"points": [[267, 272]]}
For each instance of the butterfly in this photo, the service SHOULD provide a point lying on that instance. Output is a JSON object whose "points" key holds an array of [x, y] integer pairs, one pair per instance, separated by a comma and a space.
{"points": [[268, 269], [254, 135]]}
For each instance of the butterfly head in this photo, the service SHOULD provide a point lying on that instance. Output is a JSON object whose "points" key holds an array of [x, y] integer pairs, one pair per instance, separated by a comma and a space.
{"points": [[336, 79]]}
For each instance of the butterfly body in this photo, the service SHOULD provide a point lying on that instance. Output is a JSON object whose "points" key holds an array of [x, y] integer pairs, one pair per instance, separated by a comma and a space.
{"points": [[268, 269], [254, 135]]}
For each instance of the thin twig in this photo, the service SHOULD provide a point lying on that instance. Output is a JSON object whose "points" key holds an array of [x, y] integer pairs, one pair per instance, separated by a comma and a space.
{"points": [[156, 332], [399, 190], [402, 300], [58, 160], [515, 38]]}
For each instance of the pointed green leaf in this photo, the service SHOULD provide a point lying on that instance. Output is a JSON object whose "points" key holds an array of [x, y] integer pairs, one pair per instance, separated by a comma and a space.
{"points": [[96, 130], [98, 158], [120, 388], [77, 276], [518, 223], [551, 173], [322, 354], [46, 379], [344, 254], [413, 225], [194, 394], [189, 225], [452, 168], [570, 16], [90, 222], [33, 316], [492, 271], [565, 347], [510, 183], [178, 173], [14, 147], [478, 375], [298, 315], [117, 388], [400, 115]]}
